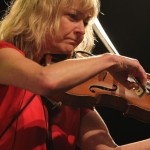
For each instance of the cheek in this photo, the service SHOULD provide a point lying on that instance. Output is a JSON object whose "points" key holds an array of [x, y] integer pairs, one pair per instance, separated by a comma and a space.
{"points": [[63, 30], [65, 26]]}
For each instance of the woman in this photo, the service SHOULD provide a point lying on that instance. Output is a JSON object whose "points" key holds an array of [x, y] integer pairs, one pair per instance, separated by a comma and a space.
{"points": [[29, 32]]}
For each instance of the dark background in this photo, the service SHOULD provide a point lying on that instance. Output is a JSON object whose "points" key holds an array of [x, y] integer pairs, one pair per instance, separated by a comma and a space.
{"points": [[127, 23]]}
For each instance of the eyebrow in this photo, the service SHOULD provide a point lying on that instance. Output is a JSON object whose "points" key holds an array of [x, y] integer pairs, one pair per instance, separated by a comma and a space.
{"points": [[85, 15]]}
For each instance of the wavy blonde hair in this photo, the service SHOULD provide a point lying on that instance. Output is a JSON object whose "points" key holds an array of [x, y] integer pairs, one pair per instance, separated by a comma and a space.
{"points": [[27, 22]]}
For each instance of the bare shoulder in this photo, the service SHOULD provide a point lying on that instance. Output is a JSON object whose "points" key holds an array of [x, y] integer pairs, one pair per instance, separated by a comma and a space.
{"points": [[10, 51]]}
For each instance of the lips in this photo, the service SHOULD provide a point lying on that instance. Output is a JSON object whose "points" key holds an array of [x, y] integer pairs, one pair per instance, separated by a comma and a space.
{"points": [[71, 41]]}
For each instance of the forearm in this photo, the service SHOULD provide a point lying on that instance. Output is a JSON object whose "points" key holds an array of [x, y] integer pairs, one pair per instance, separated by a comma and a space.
{"points": [[94, 134], [21, 72], [140, 145], [70, 73]]}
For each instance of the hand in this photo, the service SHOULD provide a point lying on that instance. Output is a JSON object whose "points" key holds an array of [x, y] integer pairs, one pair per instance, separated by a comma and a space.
{"points": [[125, 67]]}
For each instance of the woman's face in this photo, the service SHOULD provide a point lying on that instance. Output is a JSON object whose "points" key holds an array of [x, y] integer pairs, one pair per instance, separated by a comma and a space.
{"points": [[71, 32]]}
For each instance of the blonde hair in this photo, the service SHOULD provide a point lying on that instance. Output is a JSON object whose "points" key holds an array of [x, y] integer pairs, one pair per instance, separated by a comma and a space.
{"points": [[27, 22]]}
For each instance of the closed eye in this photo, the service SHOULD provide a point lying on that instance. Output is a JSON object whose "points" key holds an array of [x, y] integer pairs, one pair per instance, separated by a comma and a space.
{"points": [[73, 17]]}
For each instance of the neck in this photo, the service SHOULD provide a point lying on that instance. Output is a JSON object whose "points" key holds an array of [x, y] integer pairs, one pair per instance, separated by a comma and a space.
{"points": [[52, 58]]}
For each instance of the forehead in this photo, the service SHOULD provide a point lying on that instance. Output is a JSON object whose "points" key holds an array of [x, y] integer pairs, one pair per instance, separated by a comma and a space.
{"points": [[88, 7]]}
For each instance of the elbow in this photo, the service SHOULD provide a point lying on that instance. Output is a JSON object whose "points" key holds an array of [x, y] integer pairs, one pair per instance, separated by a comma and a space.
{"points": [[48, 85]]}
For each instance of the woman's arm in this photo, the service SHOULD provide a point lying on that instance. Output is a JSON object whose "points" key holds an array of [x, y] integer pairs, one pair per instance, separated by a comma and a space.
{"points": [[94, 135], [22, 72]]}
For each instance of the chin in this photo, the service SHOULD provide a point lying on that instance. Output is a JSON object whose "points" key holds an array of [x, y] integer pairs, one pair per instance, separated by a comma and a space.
{"points": [[69, 50]]}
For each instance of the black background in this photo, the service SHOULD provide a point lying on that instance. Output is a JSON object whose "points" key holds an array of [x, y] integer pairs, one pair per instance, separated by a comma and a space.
{"points": [[127, 23]]}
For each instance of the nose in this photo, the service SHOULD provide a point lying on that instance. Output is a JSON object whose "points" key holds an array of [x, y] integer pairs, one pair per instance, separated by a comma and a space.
{"points": [[80, 29]]}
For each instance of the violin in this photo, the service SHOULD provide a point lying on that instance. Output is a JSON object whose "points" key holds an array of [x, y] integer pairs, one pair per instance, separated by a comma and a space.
{"points": [[104, 90]]}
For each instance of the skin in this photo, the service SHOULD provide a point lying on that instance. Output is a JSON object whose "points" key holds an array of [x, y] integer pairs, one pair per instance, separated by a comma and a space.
{"points": [[94, 135], [54, 78], [69, 36]]}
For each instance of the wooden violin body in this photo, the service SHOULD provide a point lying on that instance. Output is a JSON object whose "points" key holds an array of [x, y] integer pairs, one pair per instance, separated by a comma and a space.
{"points": [[103, 90]]}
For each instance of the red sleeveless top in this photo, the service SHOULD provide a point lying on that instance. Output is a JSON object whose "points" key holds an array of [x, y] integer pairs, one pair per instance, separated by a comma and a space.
{"points": [[29, 130]]}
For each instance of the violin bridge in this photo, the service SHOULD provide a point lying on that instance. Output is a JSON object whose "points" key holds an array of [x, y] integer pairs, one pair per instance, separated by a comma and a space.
{"points": [[140, 90]]}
